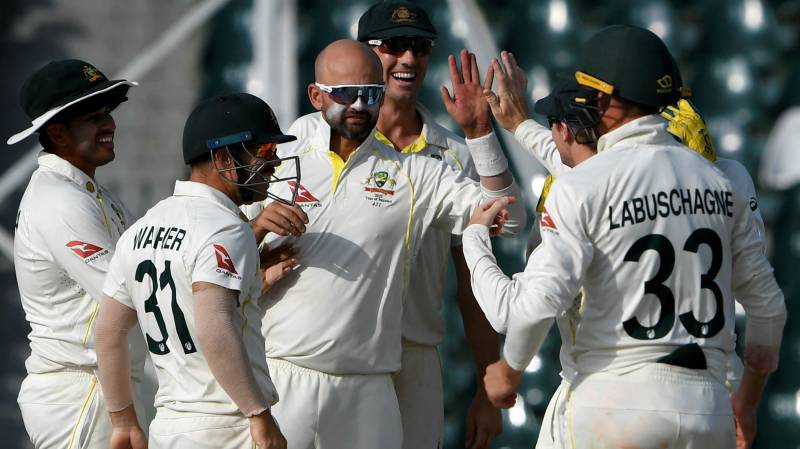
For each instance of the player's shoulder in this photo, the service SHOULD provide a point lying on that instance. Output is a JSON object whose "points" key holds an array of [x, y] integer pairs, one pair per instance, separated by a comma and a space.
{"points": [[736, 172], [306, 125]]}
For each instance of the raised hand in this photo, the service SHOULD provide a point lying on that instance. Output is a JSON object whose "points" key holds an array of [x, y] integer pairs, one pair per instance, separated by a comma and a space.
{"points": [[467, 106], [510, 104]]}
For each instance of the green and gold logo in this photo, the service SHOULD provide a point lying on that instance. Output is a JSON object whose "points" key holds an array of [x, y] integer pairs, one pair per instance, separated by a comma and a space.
{"points": [[92, 74], [380, 178], [664, 84], [403, 15]]}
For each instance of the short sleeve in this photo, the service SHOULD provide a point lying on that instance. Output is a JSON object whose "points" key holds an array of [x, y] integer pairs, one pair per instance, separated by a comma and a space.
{"points": [[115, 285], [228, 258]]}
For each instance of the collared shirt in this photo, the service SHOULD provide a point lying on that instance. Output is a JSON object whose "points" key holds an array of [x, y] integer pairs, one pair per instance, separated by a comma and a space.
{"points": [[196, 235], [661, 243], [67, 226], [339, 311], [422, 318]]}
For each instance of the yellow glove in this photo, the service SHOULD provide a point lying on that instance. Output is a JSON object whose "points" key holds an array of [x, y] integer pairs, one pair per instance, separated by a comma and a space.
{"points": [[686, 124]]}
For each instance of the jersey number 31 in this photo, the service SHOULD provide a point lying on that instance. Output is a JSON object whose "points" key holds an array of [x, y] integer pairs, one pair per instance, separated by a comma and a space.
{"points": [[148, 268]]}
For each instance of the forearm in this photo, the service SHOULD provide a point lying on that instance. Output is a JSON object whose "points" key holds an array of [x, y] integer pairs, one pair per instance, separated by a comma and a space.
{"points": [[114, 321], [224, 350], [492, 289], [750, 389], [539, 141], [482, 339]]}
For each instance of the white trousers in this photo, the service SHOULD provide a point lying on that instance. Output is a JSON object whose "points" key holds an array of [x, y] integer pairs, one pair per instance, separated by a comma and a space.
{"points": [[317, 410], [419, 392], [172, 430], [65, 410], [553, 431], [658, 406]]}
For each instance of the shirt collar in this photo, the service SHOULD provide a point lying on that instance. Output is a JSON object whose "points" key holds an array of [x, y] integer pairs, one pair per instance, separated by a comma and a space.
{"points": [[200, 190], [62, 166], [434, 133], [648, 129]]}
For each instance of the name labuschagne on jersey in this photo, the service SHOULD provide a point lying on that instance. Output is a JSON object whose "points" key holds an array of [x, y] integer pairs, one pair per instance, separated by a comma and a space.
{"points": [[674, 202]]}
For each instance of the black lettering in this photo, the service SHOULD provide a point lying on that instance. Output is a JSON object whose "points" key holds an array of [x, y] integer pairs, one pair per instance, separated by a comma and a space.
{"points": [[711, 206], [638, 210], [686, 201], [626, 213], [168, 238], [663, 205], [719, 199], [137, 241], [149, 239], [698, 202], [674, 194], [159, 237], [178, 240], [650, 215], [728, 204], [611, 218]]}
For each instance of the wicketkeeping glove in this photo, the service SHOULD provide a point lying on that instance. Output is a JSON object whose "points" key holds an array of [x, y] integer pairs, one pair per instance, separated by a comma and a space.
{"points": [[686, 124]]}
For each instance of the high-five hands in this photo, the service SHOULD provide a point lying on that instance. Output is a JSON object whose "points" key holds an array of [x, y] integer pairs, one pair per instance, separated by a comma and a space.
{"points": [[509, 105]]}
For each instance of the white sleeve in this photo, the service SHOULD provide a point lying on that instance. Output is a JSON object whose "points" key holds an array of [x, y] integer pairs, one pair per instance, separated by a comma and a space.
{"points": [[229, 258], [114, 285], [551, 279], [493, 290], [754, 285], [455, 197], [539, 141], [79, 242]]}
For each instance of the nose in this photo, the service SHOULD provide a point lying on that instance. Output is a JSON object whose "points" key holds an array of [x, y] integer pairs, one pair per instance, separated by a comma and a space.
{"points": [[407, 57]]}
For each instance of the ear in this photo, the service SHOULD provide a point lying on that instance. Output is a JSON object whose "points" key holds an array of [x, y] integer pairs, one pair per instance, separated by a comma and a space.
{"points": [[58, 133], [315, 96], [566, 136], [603, 102]]}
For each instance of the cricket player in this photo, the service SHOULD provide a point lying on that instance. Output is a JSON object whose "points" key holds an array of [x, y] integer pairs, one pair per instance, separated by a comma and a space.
{"points": [[67, 227], [334, 324], [188, 271], [644, 376], [402, 36], [510, 109]]}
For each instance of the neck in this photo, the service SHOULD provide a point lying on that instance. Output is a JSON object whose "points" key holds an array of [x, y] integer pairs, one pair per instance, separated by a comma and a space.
{"points": [[89, 169], [211, 178], [400, 123], [582, 154], [343, 146]]}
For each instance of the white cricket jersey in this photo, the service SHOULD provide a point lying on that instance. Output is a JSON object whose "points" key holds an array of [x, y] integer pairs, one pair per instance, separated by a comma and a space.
{"points": [[539, 141], [196, 235], [67, 226], [339, 311], [661, 242], [422, 318]]}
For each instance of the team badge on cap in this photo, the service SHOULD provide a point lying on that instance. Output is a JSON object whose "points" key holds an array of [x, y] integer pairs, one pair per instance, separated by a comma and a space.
{"points": [[403, 15], [92, 74]]}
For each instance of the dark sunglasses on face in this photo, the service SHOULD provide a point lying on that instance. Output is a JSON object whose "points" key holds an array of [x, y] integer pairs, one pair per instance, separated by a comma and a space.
{"points": [[396, 46], [347, 94]]}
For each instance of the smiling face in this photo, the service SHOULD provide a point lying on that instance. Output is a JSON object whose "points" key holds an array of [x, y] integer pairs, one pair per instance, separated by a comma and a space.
{"points": [[404, 73]]}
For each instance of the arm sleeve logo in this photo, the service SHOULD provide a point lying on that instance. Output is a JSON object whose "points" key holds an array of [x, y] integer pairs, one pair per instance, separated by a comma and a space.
{"points": [[224, 259], [547, 221], [82, 249]]}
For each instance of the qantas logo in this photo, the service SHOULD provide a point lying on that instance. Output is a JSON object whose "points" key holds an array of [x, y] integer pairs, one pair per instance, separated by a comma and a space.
{"points": [[82, 249], [547, 221], [303, 195], [224, 259]]}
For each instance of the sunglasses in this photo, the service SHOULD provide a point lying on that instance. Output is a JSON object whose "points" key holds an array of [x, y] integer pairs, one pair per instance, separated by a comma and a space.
{"points": [[347, 94], [396, 46]]}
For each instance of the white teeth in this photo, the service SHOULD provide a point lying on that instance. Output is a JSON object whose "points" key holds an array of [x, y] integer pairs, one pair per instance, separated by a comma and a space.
{"points": [[106, 139], [404, 75]]}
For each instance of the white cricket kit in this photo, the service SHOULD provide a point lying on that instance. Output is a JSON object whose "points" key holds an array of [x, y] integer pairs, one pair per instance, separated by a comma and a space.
{"points": [[339, 312], [67, 226], [419, 382], [661, 242], [196, 235]]}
